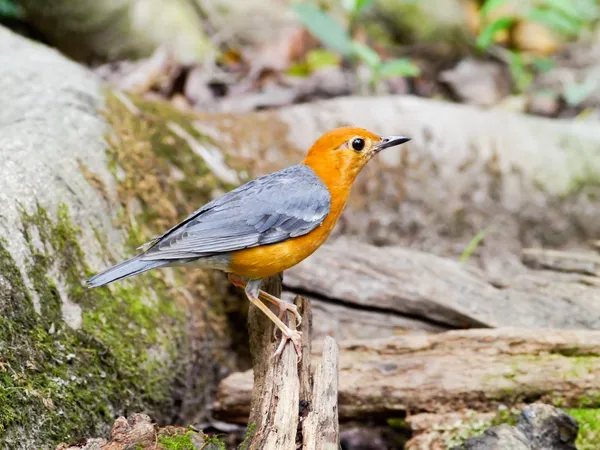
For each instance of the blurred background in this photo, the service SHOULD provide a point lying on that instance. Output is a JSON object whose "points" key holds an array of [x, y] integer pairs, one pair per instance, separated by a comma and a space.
{"points": [[488, 219], [538, 57]]}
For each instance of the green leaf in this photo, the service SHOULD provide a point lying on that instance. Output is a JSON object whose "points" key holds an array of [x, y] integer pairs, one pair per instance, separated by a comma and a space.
{"points": [[349, 5], [315, 59], [521, 76], [584, 10], [574, 94], [325, 28], [361, 4], [298, 70], [367, 54], [543, 64], [403, 67], [490, 5], [11, 9], [486, 37], [466, 254], [355, 6], [554, 19]]}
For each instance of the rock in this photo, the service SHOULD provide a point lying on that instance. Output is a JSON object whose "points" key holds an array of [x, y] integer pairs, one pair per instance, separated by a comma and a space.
{"points": [[574, 75], [139, 432], [540, 426], [101, 30], [446, 372], [346, 320], [362, 438], [425, 22], [480, 83], [431, 431], [502, 436], [543, 103], [430, 292], [84, 180]]}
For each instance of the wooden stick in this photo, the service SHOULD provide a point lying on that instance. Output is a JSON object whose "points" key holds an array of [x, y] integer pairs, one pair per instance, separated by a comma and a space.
{"points": [[289, 409], [274, 405], [320, 429]]}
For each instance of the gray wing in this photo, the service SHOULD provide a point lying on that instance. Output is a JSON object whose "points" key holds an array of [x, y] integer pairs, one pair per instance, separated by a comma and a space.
{"points": [[270, 209]]}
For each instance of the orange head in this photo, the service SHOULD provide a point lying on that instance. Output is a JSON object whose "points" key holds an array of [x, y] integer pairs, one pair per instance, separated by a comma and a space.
{"points": [[338, 156]]}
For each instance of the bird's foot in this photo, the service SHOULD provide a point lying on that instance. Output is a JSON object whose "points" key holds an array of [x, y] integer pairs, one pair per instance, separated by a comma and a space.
{"points": [[290, 335], [287, 307]]}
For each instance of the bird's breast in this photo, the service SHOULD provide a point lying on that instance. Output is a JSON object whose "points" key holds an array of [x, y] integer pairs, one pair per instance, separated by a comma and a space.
{"points": [[268, 260]]}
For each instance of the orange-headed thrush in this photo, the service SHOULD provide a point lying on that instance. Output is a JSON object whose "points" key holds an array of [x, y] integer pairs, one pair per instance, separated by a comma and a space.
{"points": [[266, 225]]}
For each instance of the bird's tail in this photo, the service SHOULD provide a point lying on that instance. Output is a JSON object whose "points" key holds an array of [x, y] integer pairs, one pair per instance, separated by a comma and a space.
{"points": [[123, 270]]}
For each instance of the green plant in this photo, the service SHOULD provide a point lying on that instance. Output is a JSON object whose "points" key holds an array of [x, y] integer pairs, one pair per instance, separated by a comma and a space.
{"points": [[471, 246], [567, 17], [10, 9], [334, 36]]}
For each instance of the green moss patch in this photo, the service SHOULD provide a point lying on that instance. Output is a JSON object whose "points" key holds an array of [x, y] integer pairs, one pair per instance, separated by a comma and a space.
{"points": [[589, 428], [459, 432], [177, 438], [57, 383], [160, 181], [177, 442]]}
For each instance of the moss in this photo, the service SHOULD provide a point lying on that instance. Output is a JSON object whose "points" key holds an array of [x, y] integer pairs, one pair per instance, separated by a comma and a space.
{"points": [[589, 428], [589, 400], [250, 430], [160, 181], [397, 423], [75, 379], [177, 442], [460, 431], [214, 443], [178, 438]]}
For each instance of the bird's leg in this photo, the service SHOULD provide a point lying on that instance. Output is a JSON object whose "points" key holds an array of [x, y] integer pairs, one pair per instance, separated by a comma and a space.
{"points": [[287, 334], [281, 304]]}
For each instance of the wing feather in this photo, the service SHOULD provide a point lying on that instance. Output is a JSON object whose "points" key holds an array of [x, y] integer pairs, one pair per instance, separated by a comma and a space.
{"points": [[270, 209]]}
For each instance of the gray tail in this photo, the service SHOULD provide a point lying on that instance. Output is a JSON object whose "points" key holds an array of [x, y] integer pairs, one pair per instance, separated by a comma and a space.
{"points": [[129, 268]]}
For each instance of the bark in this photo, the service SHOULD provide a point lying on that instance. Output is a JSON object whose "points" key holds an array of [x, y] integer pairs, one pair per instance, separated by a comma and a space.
{"points": [[275, 396], [291, 407], [442, 373], [320, 428]]}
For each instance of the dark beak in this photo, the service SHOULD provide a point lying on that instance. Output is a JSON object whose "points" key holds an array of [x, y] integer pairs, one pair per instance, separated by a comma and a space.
{"points": [[391, 141]]}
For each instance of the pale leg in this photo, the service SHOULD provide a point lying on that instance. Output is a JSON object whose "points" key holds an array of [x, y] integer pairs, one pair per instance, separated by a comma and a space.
{"points": [[287, 334], [282, 305]]}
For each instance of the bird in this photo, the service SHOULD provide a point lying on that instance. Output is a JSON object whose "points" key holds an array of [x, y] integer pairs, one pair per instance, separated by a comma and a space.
{"points": [[266, 225]]}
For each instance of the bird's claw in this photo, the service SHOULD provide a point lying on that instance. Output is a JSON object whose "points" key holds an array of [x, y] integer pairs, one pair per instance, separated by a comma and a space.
{"points": [[290, 335], [284, 306], [287, 307]]}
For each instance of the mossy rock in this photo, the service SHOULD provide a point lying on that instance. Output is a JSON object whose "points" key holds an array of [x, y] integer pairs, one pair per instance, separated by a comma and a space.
{"points": [[87, 176], [97, 30]]}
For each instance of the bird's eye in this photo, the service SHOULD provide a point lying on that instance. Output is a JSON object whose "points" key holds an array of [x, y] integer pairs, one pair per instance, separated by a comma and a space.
{"points": [[358, 144]]}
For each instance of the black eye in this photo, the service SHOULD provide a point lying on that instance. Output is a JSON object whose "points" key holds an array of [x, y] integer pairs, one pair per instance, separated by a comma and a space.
{"points": [[358, 144]]}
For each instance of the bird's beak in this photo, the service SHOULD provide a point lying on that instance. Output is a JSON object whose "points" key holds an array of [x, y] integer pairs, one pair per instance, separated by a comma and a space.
{"points": [[390, 141]]}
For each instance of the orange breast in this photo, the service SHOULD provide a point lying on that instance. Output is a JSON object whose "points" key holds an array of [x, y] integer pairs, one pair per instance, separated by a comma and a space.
{"points": [[268, 260]]}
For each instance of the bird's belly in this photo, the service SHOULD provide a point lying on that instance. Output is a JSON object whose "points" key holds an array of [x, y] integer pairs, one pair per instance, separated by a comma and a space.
{"points": [[268, 260]]}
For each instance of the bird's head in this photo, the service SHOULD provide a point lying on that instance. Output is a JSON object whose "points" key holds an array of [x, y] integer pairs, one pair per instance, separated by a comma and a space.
{"points": [[342, 152]]}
